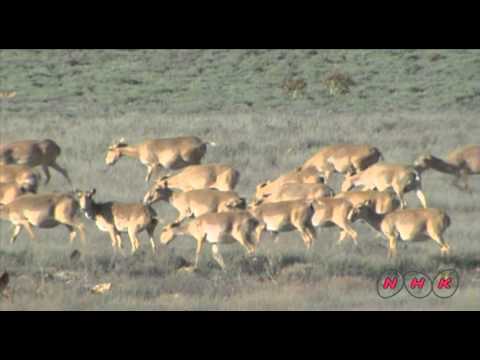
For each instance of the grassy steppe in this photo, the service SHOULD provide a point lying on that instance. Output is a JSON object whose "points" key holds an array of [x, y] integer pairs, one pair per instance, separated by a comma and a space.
{"points": [[404, 101]]}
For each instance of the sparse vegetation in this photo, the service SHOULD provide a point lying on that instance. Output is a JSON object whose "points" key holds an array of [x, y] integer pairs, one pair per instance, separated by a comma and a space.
{"points": [[338, 83], [294, 86], [403, 102]]}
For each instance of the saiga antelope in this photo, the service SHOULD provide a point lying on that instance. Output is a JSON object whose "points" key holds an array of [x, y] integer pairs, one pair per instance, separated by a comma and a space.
{"points": [[461, 163], [196, 177], [346, 159], [195, 202], [19, 174], [297, 191], [381, 201], [32, 153], [285, 216], [11, 191], [216, 229], [296, 176], [168, 153], [43, 211], [332, 211], [382, 176], [408, 225], [116, 217]]}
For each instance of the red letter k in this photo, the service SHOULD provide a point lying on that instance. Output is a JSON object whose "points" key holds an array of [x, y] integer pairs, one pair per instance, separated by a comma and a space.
{"points": [[444, 283]]}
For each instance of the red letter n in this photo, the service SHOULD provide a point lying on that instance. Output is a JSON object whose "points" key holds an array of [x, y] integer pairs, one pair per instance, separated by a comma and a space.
{"points": [[390, 283], [417, 283]]}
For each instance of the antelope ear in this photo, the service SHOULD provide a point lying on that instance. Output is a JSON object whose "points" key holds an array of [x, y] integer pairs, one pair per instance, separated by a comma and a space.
{"points": [[92, 192], [298, 169]]}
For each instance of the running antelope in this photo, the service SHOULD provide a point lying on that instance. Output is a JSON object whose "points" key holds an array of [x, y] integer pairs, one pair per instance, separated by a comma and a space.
{"points": [[382, 202], [196, 202], [20, 174], [169, 153], [11, 191], [343, 158], [408, 225], [117, 217], [285, 216], [45, 210], [335, 212], [294, 191], [382, 176], [216, 229], [460, 162], [297, 176], [34, 153], [196, 177]]}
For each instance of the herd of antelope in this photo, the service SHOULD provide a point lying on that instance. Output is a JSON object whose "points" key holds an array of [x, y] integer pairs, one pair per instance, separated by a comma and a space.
{"points": [[209, 210]]}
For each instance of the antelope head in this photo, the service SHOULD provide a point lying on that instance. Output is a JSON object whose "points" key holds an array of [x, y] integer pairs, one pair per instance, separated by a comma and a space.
{"points": [[361, 211], [158, 192], [386, 202], [85, 200], [423, 162], [168, 233], [113, 152]]}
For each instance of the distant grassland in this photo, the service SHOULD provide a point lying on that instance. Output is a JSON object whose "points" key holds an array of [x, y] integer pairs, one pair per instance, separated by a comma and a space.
{"points": [[404, 102], [78, 83]]}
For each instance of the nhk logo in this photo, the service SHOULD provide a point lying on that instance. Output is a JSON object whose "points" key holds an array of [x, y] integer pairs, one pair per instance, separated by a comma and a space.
{"points": [[417, 284]]}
